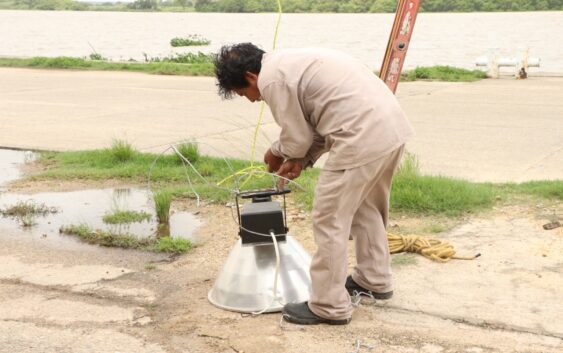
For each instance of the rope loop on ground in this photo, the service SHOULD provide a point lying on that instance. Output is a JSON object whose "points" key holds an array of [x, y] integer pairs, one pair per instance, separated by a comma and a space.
{"points": [[431, 248]]}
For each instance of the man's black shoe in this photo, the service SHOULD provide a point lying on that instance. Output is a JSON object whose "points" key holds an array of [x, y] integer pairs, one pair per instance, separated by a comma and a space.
{"points": [[353, 288], [299, 313]]}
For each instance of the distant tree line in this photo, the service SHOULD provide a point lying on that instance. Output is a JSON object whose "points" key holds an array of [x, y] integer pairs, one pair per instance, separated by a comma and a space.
{"points": [[342, 6], [360, 6], [49, 5]]}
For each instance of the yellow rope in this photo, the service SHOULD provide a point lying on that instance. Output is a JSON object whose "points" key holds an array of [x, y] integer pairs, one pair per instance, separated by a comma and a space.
{"points": [[432, 248], [253, 171]]}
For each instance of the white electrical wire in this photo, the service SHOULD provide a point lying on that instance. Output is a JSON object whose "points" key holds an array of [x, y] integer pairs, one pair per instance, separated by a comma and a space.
{"points": [[275, 290]]}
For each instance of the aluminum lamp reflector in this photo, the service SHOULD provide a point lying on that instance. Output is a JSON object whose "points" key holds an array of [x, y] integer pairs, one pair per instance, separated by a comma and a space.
{"points": [[246, 282]]}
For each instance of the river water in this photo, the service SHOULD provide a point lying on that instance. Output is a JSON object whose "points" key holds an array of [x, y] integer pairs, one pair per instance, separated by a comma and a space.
{"points": [[439, 38]]}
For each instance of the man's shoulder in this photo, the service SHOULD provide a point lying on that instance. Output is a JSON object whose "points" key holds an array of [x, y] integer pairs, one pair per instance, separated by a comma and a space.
{"points": [[288, 65]]}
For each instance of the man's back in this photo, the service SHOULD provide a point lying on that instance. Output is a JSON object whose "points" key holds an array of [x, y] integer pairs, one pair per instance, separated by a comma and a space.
{"points": [[340, 98]]}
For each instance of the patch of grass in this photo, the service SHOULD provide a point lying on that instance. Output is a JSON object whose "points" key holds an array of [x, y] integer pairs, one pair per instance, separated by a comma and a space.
{"points": [[124, 217], [162, 200], [150, 267], [172, 245], [190, 40], [443, 73], [546, 189], [122, 151], [403, 260], [129, 241], [169, 66], [166, 173], [189, 151], [420, 194], [106, 238], [412, 193]]}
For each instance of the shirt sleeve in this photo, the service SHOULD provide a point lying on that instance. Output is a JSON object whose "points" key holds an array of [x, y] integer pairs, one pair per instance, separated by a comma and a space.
{"points": [[318, 147], [296, 136]]}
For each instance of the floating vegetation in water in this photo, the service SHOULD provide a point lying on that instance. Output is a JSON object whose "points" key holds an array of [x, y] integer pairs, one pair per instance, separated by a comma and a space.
{"points": [[126, 240], [26, 211], [190, 40], [125, 217]]}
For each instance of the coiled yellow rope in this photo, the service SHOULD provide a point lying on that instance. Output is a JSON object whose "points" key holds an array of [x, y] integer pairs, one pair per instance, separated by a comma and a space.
{"points": [[432, 248]]}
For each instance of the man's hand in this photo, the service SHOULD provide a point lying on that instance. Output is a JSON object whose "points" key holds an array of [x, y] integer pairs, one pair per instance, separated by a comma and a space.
{"points": [[290, 170], [274, 162]]}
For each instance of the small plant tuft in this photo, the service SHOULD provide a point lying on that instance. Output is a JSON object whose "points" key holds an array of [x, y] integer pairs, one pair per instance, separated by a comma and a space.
{"points": [[162, 201], [122, 150]]}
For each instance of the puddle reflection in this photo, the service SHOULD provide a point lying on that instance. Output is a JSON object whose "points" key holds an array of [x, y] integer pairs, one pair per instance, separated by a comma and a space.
{"points": [[84, 207]]}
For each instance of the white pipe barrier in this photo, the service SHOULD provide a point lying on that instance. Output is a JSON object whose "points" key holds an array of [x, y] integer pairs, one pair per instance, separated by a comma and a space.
{"points": [[521, 65]]}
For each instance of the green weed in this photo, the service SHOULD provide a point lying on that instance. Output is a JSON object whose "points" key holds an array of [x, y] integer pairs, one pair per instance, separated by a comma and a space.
{"points": [[162, 201], [190, 151]]}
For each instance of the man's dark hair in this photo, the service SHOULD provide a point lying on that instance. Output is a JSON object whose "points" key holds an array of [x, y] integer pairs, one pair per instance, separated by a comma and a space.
{"points": [[232, 62]]}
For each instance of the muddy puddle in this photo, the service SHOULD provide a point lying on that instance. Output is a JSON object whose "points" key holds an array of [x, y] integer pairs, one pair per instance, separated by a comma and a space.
{"points": [[10, 161], [84, 207]]}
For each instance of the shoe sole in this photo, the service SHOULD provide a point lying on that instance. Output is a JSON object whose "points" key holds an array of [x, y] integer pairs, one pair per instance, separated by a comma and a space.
{"points": [[301, 321]]}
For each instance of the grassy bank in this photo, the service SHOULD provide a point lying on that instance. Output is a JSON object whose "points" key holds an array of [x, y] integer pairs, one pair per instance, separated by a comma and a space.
{"points": [[201, 66], [413, 193], [156, 67]]}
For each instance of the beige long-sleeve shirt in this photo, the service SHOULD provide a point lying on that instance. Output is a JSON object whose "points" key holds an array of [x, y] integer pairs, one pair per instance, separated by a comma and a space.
{"points": [[325, 100]]}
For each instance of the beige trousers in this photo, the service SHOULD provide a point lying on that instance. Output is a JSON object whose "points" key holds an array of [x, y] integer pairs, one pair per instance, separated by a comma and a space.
{"points": [[352, 201]]}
